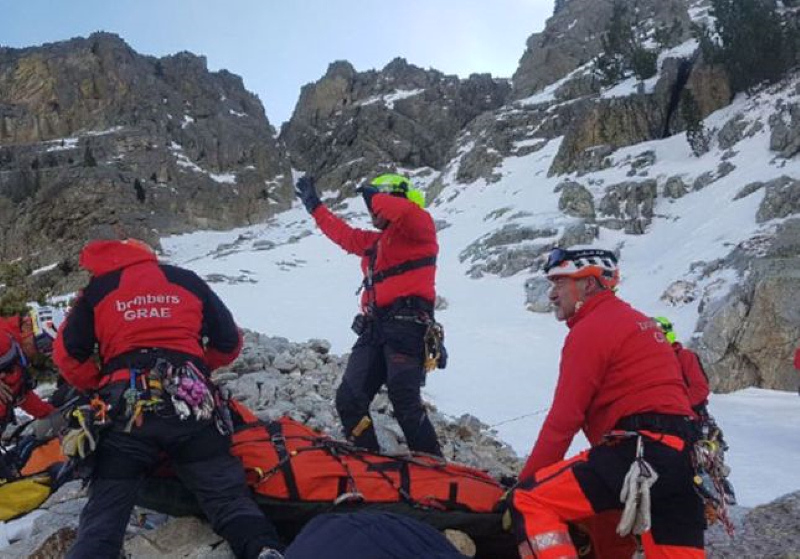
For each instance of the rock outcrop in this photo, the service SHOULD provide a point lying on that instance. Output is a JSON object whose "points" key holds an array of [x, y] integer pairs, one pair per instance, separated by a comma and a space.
{"points": [[351, 124], [748, 337], [573, 37], [96, 140]]}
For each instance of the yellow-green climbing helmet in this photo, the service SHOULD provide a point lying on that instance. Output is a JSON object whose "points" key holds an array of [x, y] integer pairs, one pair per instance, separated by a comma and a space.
{"points": [[399, 185], [666, 326]]}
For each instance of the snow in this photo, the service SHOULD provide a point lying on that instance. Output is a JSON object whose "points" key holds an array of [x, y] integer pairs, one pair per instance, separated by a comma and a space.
{"points": [[223, 178], [44, 269], [62, 144], [237, 113], [183, 161], [390, 99], [504, 359], [633, 85], [112, 130], [630, 86], [187, 120]]}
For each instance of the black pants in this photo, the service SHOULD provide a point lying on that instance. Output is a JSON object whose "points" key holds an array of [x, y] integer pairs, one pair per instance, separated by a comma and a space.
{"points": [[203, 463], [390, 352]]}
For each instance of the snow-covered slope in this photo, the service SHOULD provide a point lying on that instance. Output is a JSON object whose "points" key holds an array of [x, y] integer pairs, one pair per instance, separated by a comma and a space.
{"points": [[285, 278]]}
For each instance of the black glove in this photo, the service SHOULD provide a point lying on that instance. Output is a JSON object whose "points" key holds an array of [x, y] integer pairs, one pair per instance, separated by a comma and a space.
{"points": [[368, 192], [307, 193]]}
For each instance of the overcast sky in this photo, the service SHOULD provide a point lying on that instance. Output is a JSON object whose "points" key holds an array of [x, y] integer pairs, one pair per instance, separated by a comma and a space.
{"points": [[277, 46]]}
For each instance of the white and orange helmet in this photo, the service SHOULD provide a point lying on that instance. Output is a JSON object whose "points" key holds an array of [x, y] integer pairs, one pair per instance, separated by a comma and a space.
{"points": [[584, 263]]}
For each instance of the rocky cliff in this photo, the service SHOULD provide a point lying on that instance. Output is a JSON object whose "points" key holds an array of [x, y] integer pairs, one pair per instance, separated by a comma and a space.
{"points": [[573, 38], [96, 139], [351, 124]]}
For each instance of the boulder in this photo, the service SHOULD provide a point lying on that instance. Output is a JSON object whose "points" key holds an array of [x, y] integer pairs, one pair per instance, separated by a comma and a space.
{"points": [[782, 199], [785, 126], [675, 187], [748, 336], [732, 132], [575, 200], [508, 250], [630, 202]]}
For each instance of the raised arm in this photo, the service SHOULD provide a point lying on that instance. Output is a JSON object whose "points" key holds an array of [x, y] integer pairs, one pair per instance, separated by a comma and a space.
{"points": [[353, 240]]}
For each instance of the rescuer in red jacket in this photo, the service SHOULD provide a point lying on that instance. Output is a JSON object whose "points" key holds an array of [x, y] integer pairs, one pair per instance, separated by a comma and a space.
{"points": [[620, 383], [17, 385], [693, 373], [399, 265], [139, 331]]}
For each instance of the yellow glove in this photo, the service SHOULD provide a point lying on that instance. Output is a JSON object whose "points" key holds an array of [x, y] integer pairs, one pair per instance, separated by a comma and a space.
{"points": [[80, 441], [75, 443]]}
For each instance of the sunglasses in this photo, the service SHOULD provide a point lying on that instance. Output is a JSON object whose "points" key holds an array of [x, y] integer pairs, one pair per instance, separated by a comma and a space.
{"points": [[556, 257]]}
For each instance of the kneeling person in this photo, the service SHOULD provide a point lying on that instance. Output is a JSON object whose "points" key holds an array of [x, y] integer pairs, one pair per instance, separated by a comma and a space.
{"points": [[620, 383]]}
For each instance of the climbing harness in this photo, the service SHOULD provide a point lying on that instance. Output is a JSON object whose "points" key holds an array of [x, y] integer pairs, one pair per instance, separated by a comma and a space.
{"points": [[183, 388]]}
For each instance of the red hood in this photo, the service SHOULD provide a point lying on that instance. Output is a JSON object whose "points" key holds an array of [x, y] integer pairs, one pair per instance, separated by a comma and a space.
{"points": [[101, 257]]}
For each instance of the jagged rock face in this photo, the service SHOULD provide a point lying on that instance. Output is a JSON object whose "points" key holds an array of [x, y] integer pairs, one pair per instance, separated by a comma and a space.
{"points": [[508, 250], [609, 123], [349, 125], [595, 126], [748, 337], [710, 87], [96, 139], [629, 206], [572, 37], [575, 200], [785, 127], [782, 199]]}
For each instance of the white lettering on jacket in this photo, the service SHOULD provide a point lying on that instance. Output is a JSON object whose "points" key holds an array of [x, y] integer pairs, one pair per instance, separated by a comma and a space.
{"points": [[147, 306]]}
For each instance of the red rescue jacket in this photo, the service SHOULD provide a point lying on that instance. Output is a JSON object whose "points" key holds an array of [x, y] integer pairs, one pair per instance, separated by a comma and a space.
{"points": [[694, 375], [615, 363], [23, 397], [410, 235], [21, 330], [133, 302]]}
